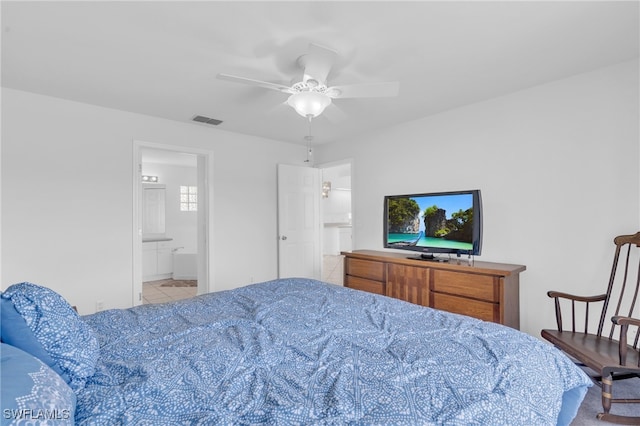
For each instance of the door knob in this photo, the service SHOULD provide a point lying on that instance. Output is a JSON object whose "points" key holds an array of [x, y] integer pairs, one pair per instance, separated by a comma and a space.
{"points": [[284, 237]]}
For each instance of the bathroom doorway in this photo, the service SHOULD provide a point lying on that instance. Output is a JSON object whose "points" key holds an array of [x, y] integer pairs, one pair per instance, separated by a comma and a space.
{"points": [[337, 219], [171, 254]]}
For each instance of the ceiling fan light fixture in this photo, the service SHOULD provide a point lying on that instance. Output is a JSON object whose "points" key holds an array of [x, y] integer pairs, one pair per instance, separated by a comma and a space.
{"points": [[309, 103]]}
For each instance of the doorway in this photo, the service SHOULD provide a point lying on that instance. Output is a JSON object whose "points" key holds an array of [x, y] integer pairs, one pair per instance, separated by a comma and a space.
{"points": [[337, 223], [172, 202], [314, 220]]}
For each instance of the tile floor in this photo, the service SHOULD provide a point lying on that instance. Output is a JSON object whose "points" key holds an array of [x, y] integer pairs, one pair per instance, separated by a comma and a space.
{"points": [[153, 292], [332, 269]]}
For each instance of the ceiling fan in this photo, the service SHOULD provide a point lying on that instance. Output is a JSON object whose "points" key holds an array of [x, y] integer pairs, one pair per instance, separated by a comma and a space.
{"points": [[312, 95]]}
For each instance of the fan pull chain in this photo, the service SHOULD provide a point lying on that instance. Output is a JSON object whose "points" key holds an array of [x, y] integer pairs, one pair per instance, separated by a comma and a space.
{"points": [[309, 138]]}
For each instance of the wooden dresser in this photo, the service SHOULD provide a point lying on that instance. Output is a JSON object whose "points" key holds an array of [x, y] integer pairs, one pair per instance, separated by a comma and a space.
{"points": [[485, 290]]}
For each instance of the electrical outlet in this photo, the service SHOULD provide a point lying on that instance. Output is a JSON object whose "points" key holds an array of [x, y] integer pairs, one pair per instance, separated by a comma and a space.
{"points": [[99, 305]]}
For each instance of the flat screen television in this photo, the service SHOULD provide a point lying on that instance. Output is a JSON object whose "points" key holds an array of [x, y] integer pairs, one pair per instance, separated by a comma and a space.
{"points": [[436, 222]]}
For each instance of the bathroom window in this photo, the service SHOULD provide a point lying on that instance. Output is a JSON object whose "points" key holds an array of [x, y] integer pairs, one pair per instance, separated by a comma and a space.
{"points": [[188, 198]]}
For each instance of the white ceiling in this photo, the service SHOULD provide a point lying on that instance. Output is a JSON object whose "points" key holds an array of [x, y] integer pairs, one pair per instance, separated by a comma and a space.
{"points": [[161, 58]]}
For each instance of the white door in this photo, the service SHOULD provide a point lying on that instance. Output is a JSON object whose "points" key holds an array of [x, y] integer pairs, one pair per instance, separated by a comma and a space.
{"points": [[299, 242]]}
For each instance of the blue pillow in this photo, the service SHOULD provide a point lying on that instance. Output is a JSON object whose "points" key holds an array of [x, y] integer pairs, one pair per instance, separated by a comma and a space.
{"points": [[31, 392], [571, 401], [15, 332], [66, 338]]}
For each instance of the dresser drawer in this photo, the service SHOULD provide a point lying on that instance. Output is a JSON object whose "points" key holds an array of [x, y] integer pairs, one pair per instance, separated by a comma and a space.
{"points": [[365, 269], [483, 287], [364, 284], [459, 305]]}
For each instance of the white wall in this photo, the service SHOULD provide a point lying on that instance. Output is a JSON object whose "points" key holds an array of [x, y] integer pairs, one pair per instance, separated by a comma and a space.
{"points": [[67, 197], [558, 166], [336, 207]]}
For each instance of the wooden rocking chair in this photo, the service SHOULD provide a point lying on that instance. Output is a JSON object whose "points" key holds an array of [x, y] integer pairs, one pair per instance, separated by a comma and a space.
{"points": [[611, 360]]}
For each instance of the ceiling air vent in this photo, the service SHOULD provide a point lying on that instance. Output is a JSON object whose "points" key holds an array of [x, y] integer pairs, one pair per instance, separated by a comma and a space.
{"points": [[206, 120]]}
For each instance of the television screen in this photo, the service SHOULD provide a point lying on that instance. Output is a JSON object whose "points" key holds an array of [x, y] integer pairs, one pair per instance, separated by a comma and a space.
{"points": [[439, 222]]}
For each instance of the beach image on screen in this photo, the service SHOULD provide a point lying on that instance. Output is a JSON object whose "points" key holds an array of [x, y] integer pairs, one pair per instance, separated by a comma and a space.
{"points": [[439, 221]]}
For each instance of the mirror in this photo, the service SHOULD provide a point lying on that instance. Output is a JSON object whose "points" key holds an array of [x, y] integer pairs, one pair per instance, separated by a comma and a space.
{"points": [[153, 209]]}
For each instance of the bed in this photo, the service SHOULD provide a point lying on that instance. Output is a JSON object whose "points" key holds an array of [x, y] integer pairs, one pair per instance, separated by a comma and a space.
{"points": [[284, 352]]}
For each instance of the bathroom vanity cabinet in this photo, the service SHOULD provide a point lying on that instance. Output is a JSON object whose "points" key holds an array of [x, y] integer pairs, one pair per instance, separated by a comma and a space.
{"points": [[157, 260]]}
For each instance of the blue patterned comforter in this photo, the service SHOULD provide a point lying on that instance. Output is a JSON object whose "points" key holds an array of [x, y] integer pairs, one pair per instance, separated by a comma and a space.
{"points": [[299, 351]]}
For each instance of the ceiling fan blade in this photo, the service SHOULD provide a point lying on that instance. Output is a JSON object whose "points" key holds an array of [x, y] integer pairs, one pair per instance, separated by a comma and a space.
{"points": [[251, 82], [317, 63], [334, 114], [368, 90]]}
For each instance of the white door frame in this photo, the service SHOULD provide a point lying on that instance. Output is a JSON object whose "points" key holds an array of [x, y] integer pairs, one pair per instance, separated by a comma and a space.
{"points": [[205, 218]]}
